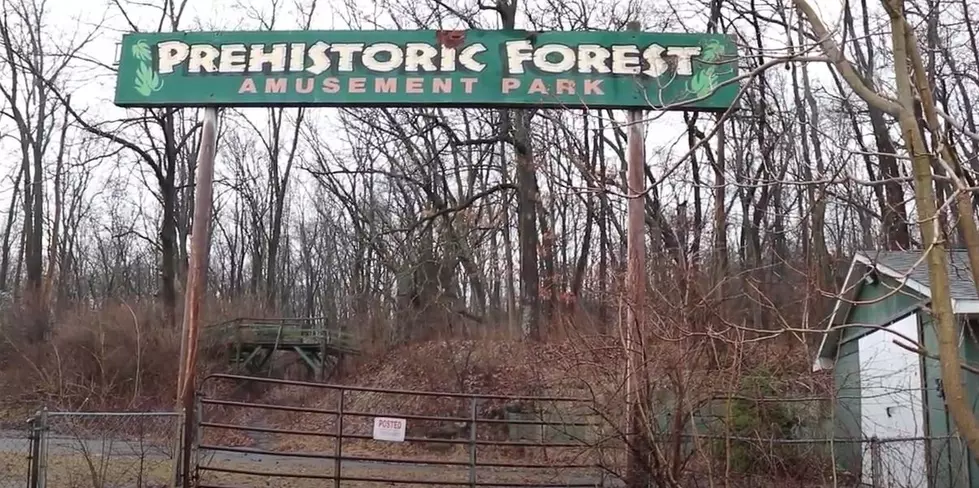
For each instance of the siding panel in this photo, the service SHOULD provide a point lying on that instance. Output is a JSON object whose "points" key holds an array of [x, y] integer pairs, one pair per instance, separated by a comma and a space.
{"points": [[874, 304], [847, 376]]}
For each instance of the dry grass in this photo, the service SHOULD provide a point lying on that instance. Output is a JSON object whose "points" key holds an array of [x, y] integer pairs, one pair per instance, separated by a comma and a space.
{"points": [[86, 471], [13, 470], [74, 471], [81, 471], [78, 471], [120, 356], [360, 475], [497, 367]]}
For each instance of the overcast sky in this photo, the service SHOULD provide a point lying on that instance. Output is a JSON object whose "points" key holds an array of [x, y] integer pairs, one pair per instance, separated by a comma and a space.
{"points": [[74, 19], [78, 18]]}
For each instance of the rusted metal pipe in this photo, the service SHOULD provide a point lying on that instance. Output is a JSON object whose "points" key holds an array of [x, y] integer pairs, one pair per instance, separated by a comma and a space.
{"points": [[196, 277]]}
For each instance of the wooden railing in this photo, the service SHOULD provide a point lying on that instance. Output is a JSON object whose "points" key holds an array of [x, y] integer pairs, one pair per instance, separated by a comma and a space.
{"points": [[280, 331]]}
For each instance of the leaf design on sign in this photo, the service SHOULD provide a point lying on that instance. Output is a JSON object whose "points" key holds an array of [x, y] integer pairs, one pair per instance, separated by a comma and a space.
{"points": [[704, 80], [707, 82], [147, 81], [141, 51], [711, 51], [697, 83]]}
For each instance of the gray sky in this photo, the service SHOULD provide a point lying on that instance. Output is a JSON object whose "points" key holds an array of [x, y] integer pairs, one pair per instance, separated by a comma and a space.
{"points": [[78, 18]]}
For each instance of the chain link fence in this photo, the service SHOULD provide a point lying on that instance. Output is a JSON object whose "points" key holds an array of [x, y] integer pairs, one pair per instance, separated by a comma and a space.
{"points": [[15, 448], [900, 462], [140, 450], [104, 449]]}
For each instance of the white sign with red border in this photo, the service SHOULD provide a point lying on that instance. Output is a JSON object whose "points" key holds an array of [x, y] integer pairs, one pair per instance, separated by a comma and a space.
{"points": [[389, 429]]}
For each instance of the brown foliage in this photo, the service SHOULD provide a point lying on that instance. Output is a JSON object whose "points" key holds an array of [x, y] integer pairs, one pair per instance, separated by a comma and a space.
{"points": [[123, 356], [120, 355]]}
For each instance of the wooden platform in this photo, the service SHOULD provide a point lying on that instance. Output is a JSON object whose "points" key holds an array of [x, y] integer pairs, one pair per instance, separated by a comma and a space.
{"points": [[251, 343]]}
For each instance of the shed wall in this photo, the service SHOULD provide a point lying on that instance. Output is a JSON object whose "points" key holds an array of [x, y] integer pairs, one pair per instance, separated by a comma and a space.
{"points": [[874, 304], [970, 353], [941, 453], [847, 414], [950, 463], [877, 303], [954, 465]]}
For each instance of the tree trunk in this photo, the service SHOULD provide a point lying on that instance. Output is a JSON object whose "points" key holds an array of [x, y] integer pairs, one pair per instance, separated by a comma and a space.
{"points": [[946, 328], [530, 313]]}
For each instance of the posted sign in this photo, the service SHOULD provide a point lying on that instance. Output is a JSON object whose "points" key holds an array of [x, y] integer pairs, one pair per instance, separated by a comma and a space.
{"points": [[471, 68], [389, 429]]}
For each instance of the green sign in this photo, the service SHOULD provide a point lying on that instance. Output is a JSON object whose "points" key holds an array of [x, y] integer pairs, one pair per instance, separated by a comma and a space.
{"points": [[428, 68]]}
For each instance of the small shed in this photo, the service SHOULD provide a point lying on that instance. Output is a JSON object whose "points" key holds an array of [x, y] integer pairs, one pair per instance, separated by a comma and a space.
{"points": [[887, 392]]}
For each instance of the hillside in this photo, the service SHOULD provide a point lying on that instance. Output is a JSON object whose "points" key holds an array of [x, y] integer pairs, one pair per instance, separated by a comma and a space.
{"points": [[95, 365], [451, 366]]}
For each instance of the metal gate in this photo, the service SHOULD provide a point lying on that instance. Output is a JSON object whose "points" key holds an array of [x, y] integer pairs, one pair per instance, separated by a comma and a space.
{"points": [[317, 434]]}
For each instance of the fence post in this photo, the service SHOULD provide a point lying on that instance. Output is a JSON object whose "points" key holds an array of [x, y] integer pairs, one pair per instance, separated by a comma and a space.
{"points": [[338, 450], [34, 458], [188, 437], [179, 445], [178, 449], [876, 471], [42, 449], [472, 442]]}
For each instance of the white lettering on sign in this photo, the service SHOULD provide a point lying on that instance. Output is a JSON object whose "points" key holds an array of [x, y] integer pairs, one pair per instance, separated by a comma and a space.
{"points": [[517, 57], [389, 429]]}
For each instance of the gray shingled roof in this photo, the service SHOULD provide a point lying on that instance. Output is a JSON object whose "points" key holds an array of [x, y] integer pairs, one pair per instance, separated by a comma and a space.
{"points": [[960, 277]]}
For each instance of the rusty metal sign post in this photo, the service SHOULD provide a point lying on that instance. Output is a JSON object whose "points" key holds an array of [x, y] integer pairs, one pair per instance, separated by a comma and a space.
{"points": [[636, 466], [196, 278]]}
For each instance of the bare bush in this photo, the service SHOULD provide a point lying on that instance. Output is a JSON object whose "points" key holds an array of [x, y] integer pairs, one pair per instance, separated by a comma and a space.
{"points": [[118, 357], [105, 450]]}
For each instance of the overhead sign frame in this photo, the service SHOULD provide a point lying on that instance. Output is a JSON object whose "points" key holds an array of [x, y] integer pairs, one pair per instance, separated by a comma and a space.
{"points": [[462, 69]]}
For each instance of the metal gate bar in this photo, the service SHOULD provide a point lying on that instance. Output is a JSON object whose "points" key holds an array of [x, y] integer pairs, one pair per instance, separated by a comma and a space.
{"points": [[473, 443]]}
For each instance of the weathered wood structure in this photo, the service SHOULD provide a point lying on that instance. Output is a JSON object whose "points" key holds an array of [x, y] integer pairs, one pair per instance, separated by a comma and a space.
{"points": [[251, 343]]}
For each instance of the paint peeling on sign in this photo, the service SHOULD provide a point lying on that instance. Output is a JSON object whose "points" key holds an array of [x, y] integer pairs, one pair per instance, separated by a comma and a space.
{"points": [[450, 38]]}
